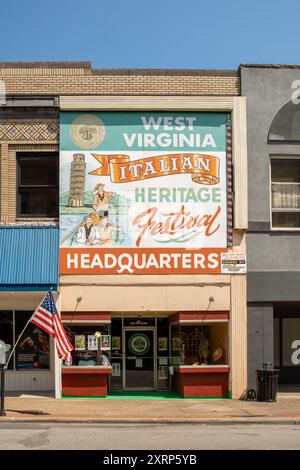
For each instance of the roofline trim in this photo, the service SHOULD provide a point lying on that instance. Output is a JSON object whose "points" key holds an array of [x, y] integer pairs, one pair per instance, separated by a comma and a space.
{"points": [[42, 65], [117, 71], [166, 72], [271, 66]]}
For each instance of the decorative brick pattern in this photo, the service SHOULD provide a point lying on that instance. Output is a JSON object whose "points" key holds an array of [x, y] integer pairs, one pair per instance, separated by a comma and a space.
{"points": [[29, 130]]}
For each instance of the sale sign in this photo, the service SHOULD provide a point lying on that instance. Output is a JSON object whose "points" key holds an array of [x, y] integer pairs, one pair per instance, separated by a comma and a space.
{"points": [[142, 193]]}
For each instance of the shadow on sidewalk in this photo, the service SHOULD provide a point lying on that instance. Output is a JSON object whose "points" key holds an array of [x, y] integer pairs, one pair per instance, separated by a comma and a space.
{"points": [[28, 412], [30, 394]]}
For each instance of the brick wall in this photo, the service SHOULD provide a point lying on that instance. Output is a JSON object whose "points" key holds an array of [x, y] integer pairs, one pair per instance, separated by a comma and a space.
{"points": [[80, 78], [66, 78]]}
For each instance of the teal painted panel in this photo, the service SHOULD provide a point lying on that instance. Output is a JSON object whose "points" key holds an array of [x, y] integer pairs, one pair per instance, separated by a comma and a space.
{"points": [[171, 131]]}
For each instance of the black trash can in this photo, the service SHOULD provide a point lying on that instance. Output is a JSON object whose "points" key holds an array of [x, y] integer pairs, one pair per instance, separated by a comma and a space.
{"points": [[267, 383]]}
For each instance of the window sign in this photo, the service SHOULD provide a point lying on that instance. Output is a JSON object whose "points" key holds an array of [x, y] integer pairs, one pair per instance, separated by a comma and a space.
{"points": [[291, 342], [162, 343], [139, 344], [105, 342], [116, 369], [139, 363], [295, 352], [79, 342], [92, 343], [116, 342], [162, 372]]}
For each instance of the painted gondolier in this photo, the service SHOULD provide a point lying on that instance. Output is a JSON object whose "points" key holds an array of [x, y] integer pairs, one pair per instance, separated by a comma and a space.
{"points": [[88, 234], [101, 200]]}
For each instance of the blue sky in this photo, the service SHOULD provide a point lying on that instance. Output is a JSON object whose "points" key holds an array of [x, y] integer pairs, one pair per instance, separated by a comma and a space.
{"points": [[151, 33]]}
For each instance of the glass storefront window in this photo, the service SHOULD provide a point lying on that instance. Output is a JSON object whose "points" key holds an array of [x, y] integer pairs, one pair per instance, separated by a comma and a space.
{"points": [[6, 330], [90, 350], [199, 345], [276, 337], [291, 342], [116, 381], [33, 349], [163, 379]]}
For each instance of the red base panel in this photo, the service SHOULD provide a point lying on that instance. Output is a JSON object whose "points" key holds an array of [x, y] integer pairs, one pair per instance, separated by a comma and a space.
{"points": [[202, 382], [85, 382]]}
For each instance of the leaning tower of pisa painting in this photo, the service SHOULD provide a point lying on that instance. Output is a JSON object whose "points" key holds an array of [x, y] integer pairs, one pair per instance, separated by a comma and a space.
{"points": [[77, 181]]}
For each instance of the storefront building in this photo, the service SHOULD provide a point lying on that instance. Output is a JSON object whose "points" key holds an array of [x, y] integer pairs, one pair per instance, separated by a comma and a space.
{"points": [[28, 233], [26, 275], [143, 244], [152, 205], [273, 243]]}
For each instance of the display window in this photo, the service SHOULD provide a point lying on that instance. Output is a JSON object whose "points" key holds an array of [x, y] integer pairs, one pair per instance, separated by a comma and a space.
{"points": [[287, 342], [286, 337], [33, 348], [199, 345], [163, 361], [7, 331], [92, 345], [116, 382]]}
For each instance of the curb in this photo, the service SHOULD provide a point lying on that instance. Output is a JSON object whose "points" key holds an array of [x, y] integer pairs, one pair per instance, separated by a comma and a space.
{"points": [[156, 421]]}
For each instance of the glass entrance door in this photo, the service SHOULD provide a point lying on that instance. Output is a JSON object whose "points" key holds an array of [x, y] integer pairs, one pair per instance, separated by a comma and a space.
{"points": [[139, 359]]}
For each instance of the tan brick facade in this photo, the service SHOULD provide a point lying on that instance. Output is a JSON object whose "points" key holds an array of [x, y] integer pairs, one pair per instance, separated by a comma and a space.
{"points": [[53, 79], [34, 127]]}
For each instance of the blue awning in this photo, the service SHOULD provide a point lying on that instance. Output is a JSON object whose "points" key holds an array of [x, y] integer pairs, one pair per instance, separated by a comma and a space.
{"points": [[28, 258]]}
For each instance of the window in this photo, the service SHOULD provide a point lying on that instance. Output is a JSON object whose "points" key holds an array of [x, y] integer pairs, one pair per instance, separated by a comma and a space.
{"points": [[285, 126], [116, 382], [276, 341], [287, 342], [33, 349], [162, 367], [291, 342], [6, 330], [199, 345], [285, 188], [89, 348], [37, 192]]}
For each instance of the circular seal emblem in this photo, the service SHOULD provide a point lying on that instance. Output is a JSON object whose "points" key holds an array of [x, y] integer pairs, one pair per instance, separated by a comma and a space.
{"points": [[139, 344], [87, 131]]}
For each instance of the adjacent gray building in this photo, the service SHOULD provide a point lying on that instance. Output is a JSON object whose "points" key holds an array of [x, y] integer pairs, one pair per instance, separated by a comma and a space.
{"points": [[273, 240]]}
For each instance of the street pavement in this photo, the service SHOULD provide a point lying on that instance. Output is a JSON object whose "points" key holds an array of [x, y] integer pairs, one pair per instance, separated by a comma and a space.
{"points": [[45, 436]]}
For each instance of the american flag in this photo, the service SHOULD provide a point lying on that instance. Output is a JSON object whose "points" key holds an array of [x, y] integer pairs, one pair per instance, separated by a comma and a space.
{"points": [[46, 317]]}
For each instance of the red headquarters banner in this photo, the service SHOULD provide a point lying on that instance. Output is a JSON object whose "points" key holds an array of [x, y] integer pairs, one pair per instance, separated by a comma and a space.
{"points": [[140, 261]]}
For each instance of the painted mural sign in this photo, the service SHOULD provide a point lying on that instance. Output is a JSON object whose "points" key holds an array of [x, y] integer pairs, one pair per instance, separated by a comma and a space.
{"points": [[142, 192]]}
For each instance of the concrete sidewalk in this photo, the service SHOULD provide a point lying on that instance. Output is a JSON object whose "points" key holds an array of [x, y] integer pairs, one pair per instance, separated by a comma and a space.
{"points": [[46, 409]]}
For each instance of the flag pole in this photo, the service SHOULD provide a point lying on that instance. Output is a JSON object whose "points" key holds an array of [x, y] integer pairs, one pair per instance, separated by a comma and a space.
{"points": [[20, 335]]}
